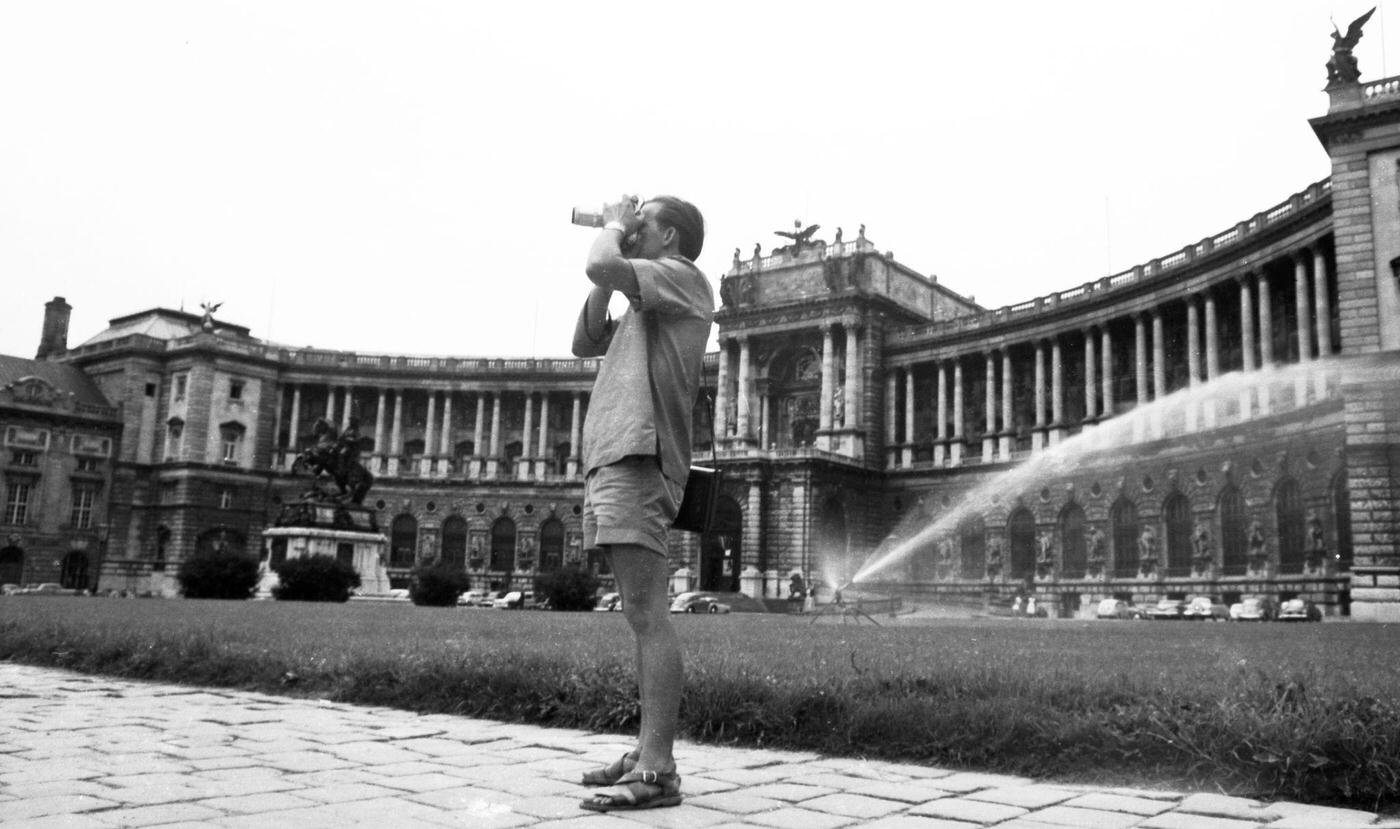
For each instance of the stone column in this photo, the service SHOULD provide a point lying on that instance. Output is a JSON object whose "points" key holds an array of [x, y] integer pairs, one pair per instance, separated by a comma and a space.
{"points": [[1106, 361], [347, 398], [493, 458], [1008, 420], [295, 426], [380, 456], [277, 449], [542, 453], [1140, 358], [1322, 309], [396, 434], [1212, 355], [1159, 368], [425, 464], [1266, 340], [1246, 344], [576, 432], [1038, 433], [891, 418], [909, 417], [989, 410], [1303, 310], [1057, 392], [478, 435], [940, 448], [1193, 358], [852, 413], [330, 405], [522, 469], [828, 387], [743, 395], [445, 445], [721, 392], [1091, 382], [959, 434]]}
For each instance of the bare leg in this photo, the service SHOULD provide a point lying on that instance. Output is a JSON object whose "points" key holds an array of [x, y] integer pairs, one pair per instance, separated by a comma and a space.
{"points": [[641, 579]]}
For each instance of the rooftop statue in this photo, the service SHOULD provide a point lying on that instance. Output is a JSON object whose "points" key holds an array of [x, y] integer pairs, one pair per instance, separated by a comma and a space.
{"points": [[801, 237], [1342, 68], [209, 308]]}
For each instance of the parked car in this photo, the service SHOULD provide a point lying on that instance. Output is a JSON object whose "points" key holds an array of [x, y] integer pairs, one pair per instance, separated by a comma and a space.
{"points": [[475, 598], [1116, 609], [48, 588], [609, 601], [698, 603], [1204, 608], [1167, 609], [1254, 609], [514, 600], [1299, 610]]}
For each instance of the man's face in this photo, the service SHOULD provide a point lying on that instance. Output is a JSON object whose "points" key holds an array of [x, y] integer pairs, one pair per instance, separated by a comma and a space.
{"points": [[649, 240]]}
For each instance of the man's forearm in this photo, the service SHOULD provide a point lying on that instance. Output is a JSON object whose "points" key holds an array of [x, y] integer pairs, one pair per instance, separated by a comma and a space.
{"points": [[591, 335]]}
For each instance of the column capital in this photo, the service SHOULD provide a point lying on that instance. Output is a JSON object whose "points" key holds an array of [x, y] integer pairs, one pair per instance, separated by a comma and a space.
{"points": [[1300, 256]]}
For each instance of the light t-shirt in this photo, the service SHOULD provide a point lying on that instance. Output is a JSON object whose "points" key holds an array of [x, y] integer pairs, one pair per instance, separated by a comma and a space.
{"points": [[633, 411]]}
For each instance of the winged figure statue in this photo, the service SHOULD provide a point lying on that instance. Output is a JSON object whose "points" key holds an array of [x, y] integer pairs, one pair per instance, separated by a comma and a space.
{"points": [[800, 236], [1342, 68]]}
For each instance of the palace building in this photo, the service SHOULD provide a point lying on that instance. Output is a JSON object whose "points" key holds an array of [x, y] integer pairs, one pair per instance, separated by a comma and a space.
{"points": [[1223, 420]]}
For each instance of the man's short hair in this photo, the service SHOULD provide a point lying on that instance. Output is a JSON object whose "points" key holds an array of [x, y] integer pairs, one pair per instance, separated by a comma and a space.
{"points": [[686, 219]]}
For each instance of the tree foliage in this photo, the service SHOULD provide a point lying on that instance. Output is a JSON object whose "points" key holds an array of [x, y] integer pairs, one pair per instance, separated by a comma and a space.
{"points": [[218, 574], [315, 579]]}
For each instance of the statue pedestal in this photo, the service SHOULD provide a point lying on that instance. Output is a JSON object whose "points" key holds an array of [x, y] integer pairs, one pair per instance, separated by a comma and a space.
{"points": [[343, 531]]}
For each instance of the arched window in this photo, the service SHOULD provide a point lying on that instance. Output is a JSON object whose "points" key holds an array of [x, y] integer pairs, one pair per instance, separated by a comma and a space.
{"points": [[1233, 528], [1177, 511], [1124, 519], [462, 454], [1288, 508], [551, 545], [231, 442], [413, 449], [1020, 531], [1341, 511], [454, 542], [403, 540], [1075, 555], [972, 536], [74, 573], [503, 545]]}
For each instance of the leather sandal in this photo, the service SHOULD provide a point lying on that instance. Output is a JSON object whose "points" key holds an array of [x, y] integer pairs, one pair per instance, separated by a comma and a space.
{"points": [[637, 790], [609, 775]]}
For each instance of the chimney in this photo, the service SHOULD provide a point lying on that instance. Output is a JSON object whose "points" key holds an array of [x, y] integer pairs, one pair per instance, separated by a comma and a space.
{"points": [[54, 339]]}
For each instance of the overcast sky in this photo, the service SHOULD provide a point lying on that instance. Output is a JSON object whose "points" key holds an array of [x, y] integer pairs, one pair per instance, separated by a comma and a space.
{"points": [[397, 177]]}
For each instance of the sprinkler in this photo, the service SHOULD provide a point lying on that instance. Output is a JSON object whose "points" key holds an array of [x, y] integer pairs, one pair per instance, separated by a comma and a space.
{"points": [[838, 604]]}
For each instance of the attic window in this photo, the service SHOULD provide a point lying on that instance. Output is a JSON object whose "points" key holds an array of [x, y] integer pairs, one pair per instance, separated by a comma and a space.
{"points": [[235, 389]]}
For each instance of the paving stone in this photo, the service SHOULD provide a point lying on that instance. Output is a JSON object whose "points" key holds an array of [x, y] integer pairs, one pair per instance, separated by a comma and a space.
{"points": [[852, 805], [1310, 822], [261, 802], [1030, 796], [1188, 820], [1320, 813], [904, 791], [916, 822], [37, 807], [972, 811], [1085, 818], [736, 802], [1120, 803], [1225, 806], [795, 818]]}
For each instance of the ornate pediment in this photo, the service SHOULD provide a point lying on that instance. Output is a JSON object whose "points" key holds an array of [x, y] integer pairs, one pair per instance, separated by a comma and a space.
{"points": [[36, 391]]}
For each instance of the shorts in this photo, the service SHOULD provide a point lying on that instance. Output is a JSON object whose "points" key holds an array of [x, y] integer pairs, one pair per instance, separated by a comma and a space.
{"points": [[629, 502]]}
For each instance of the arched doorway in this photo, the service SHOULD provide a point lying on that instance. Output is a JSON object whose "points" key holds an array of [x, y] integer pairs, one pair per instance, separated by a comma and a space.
{"points": [[1074, 553], [11, 565], [722, 550], [454, 542], [831, 545], [1234, 561], [1177, 512], [74, 572], [1124, 519], [503, 545], [551, 545], [1288, 509], [403, 539], [797, 377], [1020, 531]]}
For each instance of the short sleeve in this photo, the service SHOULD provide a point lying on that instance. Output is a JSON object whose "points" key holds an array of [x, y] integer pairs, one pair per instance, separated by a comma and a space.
{"points": [[672, 287]]}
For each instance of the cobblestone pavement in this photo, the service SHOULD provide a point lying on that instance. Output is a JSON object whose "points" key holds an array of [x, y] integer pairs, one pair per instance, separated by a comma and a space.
{"points": [[80, 751]]}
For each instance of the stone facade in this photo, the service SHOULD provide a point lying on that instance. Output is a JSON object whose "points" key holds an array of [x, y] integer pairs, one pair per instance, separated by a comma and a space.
{"points": [[1218, 421]]}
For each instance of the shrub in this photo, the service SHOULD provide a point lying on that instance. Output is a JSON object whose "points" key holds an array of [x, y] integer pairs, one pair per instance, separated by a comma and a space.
{"points": [[570, 588], [218, 574], [315, 579], [438, 586]]}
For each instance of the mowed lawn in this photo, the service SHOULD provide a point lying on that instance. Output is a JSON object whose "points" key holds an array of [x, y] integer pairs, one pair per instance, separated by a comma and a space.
{"points": [[1303, 711]]}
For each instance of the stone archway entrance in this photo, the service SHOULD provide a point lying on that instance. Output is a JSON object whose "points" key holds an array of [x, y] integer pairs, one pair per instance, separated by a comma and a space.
{"points": [[722, 550], [11, 565]]}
